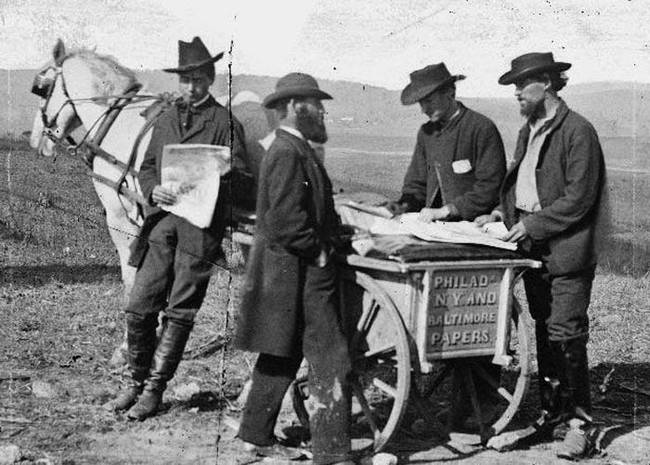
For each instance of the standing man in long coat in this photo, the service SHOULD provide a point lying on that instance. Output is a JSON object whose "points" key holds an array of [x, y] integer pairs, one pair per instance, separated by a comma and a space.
{"points": [[551, 201], [174, 258], [289, 304]]}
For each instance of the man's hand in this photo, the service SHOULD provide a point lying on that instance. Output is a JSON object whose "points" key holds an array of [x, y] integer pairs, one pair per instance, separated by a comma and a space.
{"points": [[396, 208], [517, 233], [485, 219], [427, 215], [163, 196]]}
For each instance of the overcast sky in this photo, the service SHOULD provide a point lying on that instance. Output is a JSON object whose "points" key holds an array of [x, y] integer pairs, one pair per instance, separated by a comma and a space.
{"points": [[377, 42]]}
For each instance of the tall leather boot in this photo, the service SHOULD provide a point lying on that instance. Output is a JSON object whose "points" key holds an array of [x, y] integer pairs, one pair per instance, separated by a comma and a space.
{"points": [[141, 342], [577, 442], [546, 370], [166, 358]]}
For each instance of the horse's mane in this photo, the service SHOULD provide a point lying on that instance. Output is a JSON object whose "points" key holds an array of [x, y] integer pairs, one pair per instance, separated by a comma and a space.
{"points": [[109, 76]]}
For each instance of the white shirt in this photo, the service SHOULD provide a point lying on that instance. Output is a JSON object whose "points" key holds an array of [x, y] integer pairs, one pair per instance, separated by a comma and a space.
{"points": [[526, 197]]}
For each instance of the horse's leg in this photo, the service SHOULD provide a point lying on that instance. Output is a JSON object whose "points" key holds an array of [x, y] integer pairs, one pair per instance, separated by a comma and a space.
{"points": [[123, 232]]}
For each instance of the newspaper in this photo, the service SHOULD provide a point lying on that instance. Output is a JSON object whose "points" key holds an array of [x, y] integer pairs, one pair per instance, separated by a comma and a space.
{"points": [[192, 172], [458, 232]]}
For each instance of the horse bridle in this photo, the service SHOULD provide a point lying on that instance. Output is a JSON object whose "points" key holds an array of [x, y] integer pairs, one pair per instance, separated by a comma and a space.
{"points": [[43, 86]]}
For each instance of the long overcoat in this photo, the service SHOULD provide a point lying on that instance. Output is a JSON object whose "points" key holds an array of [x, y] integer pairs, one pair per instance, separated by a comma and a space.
{"points": [[213, 125], [570, 176], [295, 221]]}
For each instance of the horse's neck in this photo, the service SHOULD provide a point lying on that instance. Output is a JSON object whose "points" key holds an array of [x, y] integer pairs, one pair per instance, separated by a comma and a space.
{"points": [[122, 134]]}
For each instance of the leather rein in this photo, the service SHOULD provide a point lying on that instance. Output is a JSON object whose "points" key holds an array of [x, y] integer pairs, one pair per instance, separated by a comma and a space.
{"points": [[90, 147]]}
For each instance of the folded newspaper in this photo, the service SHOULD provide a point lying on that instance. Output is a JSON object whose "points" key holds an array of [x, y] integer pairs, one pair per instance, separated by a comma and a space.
{"points": [[192, 172], [460, 232]]}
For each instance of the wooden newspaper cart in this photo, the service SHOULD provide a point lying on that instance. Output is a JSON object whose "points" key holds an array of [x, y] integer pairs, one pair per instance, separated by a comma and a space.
{"points": [[415, 318]]}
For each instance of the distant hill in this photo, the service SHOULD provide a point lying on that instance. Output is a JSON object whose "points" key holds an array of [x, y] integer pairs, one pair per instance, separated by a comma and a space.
{"points": [[617, 109]]}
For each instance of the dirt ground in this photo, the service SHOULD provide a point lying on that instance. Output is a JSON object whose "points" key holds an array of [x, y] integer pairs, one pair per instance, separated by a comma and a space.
{"points": [[60, 301]]}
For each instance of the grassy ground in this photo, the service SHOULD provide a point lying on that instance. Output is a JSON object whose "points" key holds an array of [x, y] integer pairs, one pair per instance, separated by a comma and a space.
{"points": [[60, 301]]}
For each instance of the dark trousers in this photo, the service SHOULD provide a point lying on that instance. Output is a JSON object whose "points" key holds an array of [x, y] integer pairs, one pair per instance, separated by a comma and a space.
{"points": [[326, 349], [175, 271], [558, 304]]}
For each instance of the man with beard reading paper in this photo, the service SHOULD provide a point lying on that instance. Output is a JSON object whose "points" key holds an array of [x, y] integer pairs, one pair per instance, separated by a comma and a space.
{"points": [[174, 258], [455, 172], [551, 200], [289, 302]]}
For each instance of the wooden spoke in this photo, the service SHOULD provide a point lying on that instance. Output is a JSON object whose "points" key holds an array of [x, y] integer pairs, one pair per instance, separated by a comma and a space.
{"points": [[380, 352], [368, 317], [385, 387], [358, 393], [433, 385], [505, 394], [485, 375]]}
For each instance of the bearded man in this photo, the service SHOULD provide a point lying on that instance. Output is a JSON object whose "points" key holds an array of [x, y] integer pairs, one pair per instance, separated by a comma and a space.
{"points": [[550, 200], [174, 258], [290, 307]]}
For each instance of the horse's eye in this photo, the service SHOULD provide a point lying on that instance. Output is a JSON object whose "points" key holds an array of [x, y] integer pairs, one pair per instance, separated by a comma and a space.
{"points": [[42, 85]]}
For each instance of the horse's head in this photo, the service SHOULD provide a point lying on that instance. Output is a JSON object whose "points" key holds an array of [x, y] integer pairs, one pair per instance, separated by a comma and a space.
{"points": [[56, 115], [75, 89]]}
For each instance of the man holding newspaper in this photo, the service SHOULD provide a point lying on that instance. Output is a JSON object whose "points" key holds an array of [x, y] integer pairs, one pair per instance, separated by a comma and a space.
{"points": [[174, 257]]}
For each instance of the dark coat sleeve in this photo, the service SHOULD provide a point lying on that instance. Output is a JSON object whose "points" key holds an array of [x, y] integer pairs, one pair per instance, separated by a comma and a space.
{"points": [[148, 177], [289, 218], [414, 190], [238, 146], [489, 171], [583, 175]]}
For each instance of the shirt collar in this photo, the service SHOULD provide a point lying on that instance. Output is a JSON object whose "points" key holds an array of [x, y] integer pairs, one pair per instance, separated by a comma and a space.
{"points": [[202, 101], [292, 131]]}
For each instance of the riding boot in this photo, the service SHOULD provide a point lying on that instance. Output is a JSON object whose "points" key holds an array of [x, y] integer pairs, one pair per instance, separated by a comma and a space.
{"points": [[547, 374], [578, 441], [577, 374], [166, 358], [141, 342]]}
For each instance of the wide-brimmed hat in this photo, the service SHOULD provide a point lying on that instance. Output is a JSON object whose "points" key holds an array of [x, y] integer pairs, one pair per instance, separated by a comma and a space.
{"points": [[295, 85], [192, 55], [529, 64], [426, 80]]}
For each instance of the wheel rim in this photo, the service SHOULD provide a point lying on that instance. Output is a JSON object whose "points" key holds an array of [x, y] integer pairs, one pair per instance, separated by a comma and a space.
{"points": [[509, 390], [381, 370], [519, 348]]}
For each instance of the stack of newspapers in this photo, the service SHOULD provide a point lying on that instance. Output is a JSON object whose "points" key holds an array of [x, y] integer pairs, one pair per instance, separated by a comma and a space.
{"points": [[378, 220]]}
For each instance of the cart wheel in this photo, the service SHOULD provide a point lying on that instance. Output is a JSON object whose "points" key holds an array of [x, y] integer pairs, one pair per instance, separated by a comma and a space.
{"points": [[515, 378], [507, 389], [381, 367]]}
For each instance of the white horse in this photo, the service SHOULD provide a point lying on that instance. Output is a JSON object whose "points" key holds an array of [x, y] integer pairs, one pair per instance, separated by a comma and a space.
{"points": [[83, 96], [79, 89]]}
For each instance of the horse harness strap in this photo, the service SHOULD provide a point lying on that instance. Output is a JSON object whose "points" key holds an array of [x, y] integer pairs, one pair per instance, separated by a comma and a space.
{"points": [[94, 149], [151, 118], [107, 121]]}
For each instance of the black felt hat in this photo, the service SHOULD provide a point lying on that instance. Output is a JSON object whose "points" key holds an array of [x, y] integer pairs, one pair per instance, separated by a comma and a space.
{"points": [[295, 85], [192, 55], [426, 80], [530, 64]]}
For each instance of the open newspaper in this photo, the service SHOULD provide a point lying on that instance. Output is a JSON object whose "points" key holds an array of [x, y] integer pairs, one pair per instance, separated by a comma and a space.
{"points": [[377, 220], [192, 172]]}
